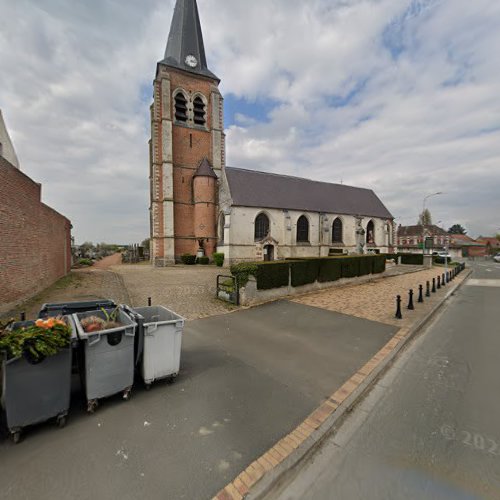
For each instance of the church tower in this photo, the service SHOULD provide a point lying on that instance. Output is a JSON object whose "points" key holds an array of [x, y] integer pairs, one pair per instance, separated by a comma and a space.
{"points": [[187, 144]]}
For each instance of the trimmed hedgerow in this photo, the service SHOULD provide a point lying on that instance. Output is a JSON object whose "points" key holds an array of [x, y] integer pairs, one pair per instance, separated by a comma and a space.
{"points": [[378, 264], [305, 272], [243, 271], [272, 275], [204, 261], [365, 265], [330, 270], [416, 259], [350, 267]]}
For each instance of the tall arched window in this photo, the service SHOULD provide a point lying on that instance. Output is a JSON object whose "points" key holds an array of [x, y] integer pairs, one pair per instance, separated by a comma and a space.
{"points": [[261, 227], [180, 107], [199, 111], [337, 231], [302, 230], [222, 224], [370, 233]]}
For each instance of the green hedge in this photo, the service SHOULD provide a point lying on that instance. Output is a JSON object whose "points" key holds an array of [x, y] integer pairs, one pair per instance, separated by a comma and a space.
{"points": [[415, 259], [350, 267], [272, 275], [188, 259], [378, 264], [305, 272], [219, 259], [243, 271], [330, 270], [204, 261], [275, 274]]}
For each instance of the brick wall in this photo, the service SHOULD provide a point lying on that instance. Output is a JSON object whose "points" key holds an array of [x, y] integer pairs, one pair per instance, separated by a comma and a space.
{"points": [[35, 240]]}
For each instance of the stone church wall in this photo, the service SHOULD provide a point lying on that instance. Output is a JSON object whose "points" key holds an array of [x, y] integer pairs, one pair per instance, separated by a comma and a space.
{"points": [[35, 240], [239, 244]]}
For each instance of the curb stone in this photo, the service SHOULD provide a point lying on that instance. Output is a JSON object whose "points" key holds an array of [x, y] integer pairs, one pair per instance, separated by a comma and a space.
{"points": [[325, 420]]}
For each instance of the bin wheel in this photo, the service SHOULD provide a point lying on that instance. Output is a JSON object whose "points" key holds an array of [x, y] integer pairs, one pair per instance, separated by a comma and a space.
{"points": [[16, 437], [127, 394], [61, 421], [148, 387], [171, 379], [92, 405]]}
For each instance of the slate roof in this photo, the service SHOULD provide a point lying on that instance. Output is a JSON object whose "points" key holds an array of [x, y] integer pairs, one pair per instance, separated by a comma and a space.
{"points": [[251, 188], [205, 170], [186, 39], [417, 230]]}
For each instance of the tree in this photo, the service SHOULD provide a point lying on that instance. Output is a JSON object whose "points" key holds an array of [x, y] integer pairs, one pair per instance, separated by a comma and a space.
{"points": [[425, 218], [457, 229], [146, 244]]}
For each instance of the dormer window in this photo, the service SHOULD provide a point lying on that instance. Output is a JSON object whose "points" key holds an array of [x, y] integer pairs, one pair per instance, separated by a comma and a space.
{"points": [[181, 108], [199, 111]]}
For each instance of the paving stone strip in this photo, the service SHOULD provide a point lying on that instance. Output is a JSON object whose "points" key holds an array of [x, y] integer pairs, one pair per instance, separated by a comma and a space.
{"points": [[369, 302]]}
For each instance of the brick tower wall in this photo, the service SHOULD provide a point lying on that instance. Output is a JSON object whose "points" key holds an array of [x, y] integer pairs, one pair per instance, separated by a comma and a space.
{"points": [[177, 150]]}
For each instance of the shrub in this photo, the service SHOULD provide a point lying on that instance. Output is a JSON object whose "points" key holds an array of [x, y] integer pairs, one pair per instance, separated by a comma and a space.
{"points": [[379, 264], [272, 275], [305, 272], [219, 259], [85, 262], [365, 265], [350, 267], [440, 260], [188, 259], [414, 259], [204, 261], [330, 270], [243, 271]]}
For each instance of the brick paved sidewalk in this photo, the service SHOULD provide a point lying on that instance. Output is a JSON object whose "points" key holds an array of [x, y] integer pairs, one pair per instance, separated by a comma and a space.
{"points": [[376, 300]]}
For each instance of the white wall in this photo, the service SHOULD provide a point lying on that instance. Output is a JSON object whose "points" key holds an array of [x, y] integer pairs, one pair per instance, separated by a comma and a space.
{"points": [[239, 243]]}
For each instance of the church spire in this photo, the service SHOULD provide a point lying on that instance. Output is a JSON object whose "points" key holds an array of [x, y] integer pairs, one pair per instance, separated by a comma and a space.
{"points": [[185, 48]]}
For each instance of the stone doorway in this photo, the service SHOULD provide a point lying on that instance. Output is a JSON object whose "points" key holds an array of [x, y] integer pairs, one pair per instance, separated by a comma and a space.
{"points": [[268, 253]]}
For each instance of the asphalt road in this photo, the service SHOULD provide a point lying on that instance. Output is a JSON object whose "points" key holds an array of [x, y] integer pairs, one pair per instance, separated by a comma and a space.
{"points": [[247, 379], [430, 429]]}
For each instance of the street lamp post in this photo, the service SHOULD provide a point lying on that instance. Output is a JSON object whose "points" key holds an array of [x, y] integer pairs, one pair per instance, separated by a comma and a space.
{"points": [[423, 222]]}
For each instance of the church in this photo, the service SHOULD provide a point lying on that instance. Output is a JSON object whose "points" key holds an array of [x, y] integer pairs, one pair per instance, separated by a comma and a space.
{"points": [[200, 206]]}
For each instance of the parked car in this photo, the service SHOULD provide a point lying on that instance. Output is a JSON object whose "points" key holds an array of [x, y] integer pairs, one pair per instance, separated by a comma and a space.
{"points": [[496, 258], [441, 254]]}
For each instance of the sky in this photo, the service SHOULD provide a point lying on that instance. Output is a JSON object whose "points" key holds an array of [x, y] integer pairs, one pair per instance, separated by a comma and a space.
{"points": [[400, 96]]}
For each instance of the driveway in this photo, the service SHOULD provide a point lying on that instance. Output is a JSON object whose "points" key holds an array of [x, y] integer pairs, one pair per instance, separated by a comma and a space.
{"points": [[247, 379]]}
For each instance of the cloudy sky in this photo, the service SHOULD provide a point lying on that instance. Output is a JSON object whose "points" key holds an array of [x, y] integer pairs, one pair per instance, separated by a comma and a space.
{"points": [[401, 96]]}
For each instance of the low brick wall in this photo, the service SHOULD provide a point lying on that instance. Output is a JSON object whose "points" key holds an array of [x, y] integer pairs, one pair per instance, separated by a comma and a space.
{"points": [[35, 240]]}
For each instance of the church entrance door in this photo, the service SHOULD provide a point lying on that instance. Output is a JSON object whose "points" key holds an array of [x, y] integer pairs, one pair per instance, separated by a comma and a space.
{"points": [[268, 253]]}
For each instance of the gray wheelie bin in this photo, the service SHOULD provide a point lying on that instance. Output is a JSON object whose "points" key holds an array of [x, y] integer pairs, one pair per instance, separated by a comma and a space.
{"points": [[32, 392], [161, 330], [108, 358]]}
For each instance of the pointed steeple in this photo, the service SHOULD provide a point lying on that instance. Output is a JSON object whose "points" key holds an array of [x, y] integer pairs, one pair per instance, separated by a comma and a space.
{"points": [[185, 48]]}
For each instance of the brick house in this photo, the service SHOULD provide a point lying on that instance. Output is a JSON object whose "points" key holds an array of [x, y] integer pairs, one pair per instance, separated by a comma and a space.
{"points": [[492, 244], [410, 238], [197, 203], [35, 240]]}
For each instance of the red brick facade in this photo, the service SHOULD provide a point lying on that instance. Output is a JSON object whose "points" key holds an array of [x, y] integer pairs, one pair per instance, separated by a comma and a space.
{"points": [[183, 207], [35, 240]]}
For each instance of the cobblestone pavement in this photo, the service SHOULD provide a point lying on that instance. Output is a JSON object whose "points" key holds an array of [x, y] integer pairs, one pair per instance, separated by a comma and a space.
{"points": [[187, 290], [376, 300]]}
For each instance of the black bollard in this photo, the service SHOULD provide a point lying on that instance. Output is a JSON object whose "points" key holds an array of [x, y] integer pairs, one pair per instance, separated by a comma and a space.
{"points": [[433, 285], [420, 294], [447, 276], [443, 280], [23, 316], [399, 315], [411, 307], [150, 302], [428, 289], [439, 283]]}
